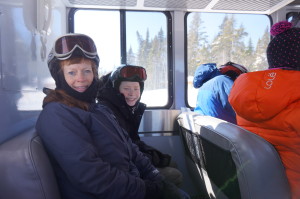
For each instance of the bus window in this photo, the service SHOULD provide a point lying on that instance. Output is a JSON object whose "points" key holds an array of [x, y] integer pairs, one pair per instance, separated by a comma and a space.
{"points": [[140, 39], [105, 33], [219, 38], [294, 18], [146, 37]]}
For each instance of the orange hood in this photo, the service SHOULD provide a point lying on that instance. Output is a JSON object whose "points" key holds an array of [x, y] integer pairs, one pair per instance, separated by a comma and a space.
{"points": [[259, 96]]}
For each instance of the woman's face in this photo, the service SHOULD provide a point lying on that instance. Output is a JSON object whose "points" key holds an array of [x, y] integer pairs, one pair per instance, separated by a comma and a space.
{"points": [[79, 76], [131, 91]]}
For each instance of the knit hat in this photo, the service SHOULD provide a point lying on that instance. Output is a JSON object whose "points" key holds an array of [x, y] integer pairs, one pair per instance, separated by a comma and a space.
{"points": [[284, 49]]}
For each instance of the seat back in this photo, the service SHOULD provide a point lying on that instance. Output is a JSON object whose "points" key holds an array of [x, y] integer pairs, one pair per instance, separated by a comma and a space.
{"points": [[25, 170], [236, 162], [192, 151]]}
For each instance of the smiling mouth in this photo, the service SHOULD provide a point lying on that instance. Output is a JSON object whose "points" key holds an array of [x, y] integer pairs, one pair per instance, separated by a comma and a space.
{"points": [[80, 88]]}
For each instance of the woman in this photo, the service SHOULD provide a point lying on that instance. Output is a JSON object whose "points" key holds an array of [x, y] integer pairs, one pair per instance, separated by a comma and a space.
{"points": [[267, 102], [91, 155], [121, 91]]}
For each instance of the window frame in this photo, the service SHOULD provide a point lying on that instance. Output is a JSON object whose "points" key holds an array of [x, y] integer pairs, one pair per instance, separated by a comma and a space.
{"points": [[186, 69], [123, 47]]}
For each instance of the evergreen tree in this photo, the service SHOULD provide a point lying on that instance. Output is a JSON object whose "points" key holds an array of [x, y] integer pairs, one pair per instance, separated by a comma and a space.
{"points": [[198, 49], [249, 56], [152, 54], [157, 60], [143, 50], [228, 45], [161, 59], [130, 56], [238, 52], [261, 62]]}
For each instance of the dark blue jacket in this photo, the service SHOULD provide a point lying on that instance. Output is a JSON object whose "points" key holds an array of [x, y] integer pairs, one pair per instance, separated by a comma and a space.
{"points": [[91, 154], [214, 89], [129, 119]]}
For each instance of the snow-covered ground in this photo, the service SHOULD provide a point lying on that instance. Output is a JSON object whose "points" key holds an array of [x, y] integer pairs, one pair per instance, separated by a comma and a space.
{"points": [[32, 99]]}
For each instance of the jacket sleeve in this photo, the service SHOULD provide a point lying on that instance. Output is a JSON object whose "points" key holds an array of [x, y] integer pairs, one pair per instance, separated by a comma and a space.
{"points": [[66, 138], [146, 168]]}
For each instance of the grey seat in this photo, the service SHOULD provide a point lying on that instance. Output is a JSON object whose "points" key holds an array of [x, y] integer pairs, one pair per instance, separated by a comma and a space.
{"points": [[192, 152], [236, 163], [25, 170]]}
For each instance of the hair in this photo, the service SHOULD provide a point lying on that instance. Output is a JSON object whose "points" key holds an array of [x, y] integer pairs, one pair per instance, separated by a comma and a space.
{"points": [[62, 97], [77, 60]]}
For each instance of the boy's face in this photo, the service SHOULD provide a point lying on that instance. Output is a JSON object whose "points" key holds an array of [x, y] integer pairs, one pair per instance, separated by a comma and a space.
{"points": [[131, 91]]}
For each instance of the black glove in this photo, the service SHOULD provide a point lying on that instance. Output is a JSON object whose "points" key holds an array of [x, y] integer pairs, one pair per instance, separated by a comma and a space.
{"points": [[170, 191], [153, 189], [157, 158]]}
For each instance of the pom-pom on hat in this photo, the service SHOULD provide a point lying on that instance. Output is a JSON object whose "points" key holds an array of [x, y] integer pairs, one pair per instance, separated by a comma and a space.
{"points": [[284, 49], [280, 27]]}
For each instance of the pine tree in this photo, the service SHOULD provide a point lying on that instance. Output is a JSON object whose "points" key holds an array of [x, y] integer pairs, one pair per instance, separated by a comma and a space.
{"points": [[130, 56], [143, 49], [249, 56], [152, 54], [198, 48], [161, 60], [261, 62], [157, 60], [228, 45]]}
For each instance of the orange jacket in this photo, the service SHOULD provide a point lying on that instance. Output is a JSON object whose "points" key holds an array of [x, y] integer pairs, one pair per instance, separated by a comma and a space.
{"points": [[267, 103]]}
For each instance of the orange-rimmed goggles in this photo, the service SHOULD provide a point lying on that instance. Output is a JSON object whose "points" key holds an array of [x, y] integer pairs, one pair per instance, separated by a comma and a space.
{"points": [[128, 72]]}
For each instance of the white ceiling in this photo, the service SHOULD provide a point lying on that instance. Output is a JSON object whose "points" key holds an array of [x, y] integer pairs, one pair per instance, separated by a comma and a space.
{"points": [[230, 6]]}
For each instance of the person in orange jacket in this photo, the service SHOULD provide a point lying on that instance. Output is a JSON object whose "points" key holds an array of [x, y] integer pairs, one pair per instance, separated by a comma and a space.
{"points": [[267, 102]]}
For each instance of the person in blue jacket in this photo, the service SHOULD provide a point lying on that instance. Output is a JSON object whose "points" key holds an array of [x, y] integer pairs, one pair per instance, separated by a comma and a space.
{"points": [[92, 156], [214, 87]]}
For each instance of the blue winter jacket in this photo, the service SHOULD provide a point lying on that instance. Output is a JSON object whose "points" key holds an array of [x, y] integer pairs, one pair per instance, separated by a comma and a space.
{"points": [[91, 155], [214, 89]]}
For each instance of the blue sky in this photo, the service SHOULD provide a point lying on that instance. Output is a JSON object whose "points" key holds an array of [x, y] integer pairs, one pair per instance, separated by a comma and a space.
{"points": [[254, 25]]}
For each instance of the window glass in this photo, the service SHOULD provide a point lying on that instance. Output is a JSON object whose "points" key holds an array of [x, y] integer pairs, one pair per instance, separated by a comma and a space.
{"points": [[219, 38], [146, 42], [104, 28], [294, 18], [146, 45]]}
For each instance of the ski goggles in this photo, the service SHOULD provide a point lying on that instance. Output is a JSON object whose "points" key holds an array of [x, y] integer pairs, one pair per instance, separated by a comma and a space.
{"points": [[67, 44], [129, 71], [233, 66]]}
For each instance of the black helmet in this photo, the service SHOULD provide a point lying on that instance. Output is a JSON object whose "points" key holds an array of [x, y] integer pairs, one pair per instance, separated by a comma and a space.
{"points": [[128, 73], [69, 45]]}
